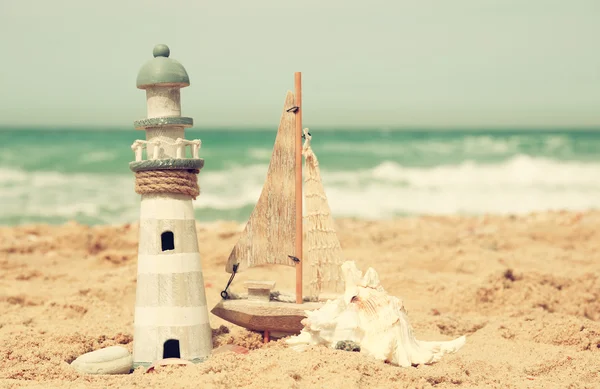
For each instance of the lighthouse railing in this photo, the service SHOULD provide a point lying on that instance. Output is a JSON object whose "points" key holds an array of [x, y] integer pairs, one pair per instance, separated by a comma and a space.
{"points": [[180, 144], [194, 146]]}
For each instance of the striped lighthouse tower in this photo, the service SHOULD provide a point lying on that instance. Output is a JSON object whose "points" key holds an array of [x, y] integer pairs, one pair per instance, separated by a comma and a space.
{"points": [[171, 316]]}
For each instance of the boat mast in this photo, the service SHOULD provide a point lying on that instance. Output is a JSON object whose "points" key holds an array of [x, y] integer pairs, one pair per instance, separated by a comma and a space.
{"points": [[299, 231]]}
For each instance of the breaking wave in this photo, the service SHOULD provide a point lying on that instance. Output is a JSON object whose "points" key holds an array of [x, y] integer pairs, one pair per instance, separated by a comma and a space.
{"points": [[520, 184]]}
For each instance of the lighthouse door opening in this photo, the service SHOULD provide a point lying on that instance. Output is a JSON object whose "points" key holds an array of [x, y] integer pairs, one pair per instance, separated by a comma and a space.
{"points": [[171, 349], [167, 241]]}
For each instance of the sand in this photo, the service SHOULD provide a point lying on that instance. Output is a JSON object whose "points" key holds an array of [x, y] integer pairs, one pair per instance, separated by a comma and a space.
{"points": [[524, 289]]}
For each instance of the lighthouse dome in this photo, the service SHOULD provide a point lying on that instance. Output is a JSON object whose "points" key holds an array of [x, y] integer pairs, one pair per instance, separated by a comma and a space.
{"points": [[162, 70]]}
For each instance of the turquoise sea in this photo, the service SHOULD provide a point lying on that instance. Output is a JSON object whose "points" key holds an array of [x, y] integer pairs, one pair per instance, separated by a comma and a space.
{"points": [[56, 175]]}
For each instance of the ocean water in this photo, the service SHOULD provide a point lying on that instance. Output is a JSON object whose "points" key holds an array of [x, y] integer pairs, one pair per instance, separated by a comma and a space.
{"points": [[52, 176]]}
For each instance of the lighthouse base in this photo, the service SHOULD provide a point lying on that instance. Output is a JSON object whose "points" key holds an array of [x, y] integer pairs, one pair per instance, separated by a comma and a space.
{"points": [[190, 343]]}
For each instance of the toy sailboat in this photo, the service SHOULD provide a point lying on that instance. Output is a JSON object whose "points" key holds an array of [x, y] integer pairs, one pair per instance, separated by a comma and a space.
{"points": [[278, 233]]}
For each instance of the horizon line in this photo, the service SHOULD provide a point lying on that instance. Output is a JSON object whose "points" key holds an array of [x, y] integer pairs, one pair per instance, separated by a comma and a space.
{"points": [[204, 127]]}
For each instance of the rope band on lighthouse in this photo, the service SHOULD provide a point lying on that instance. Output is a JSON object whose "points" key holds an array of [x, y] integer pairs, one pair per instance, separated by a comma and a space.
{"points": [[168, 181]]}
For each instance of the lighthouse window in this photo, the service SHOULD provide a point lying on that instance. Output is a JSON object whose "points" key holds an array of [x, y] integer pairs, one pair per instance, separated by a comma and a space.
{"points": [[167, 241], [171, 349]]}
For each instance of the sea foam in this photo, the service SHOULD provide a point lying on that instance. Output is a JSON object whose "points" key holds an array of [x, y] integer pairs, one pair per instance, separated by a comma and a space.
{"points": [[520, 184]]}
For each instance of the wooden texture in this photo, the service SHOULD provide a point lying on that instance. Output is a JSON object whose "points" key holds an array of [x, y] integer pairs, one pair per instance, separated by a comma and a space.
{"points": [[170, 298], [174, 207], [298, 178], [268, 285], [170, 295], [270, 233], [271, 316], [163, 102], [259, 290], [323, 255]]}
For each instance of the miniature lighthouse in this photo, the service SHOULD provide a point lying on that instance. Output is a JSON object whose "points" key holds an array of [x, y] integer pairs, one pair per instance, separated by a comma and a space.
{"points": [[171, 315]]}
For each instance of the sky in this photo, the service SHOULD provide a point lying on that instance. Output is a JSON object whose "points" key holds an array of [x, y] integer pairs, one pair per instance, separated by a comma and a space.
{"points": [[371, 64]]}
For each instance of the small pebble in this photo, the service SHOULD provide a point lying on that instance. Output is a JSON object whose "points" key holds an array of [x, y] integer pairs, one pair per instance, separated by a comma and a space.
{"points": [[109, 360], [347, 345]]}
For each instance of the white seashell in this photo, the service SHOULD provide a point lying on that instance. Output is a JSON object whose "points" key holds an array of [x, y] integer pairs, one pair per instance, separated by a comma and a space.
{"points": [[109, 360], [367, 315]]}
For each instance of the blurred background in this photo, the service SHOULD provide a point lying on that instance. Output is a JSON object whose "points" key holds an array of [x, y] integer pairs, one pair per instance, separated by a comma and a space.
{"points": [[415, 107]]}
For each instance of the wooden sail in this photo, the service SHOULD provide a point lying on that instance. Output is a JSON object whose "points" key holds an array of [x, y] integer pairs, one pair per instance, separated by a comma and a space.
{"points": [[270, 233], [323, 253]]}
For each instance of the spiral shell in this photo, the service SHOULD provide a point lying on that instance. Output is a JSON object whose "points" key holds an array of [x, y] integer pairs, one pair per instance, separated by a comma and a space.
{"points": [[374, 320]]}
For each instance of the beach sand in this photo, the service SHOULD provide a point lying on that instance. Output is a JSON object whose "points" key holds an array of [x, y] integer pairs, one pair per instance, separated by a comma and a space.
{"points": [[524, 289]]}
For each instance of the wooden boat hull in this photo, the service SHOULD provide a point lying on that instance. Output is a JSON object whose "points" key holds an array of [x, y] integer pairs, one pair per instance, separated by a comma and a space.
{"points": [[256, 315]]}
